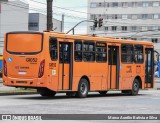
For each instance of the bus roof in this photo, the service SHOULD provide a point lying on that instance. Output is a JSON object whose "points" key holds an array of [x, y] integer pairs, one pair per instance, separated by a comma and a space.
{"points": [[85, 37], [96, 38]]}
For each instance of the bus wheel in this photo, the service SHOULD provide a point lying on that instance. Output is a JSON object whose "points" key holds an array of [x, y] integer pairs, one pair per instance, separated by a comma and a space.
{"points": [[135, 88], [102, 92], [46, 92], [83, 88]]}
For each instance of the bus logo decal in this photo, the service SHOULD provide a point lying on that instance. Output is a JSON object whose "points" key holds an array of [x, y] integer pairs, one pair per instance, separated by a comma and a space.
{"points": [[9, 59]]}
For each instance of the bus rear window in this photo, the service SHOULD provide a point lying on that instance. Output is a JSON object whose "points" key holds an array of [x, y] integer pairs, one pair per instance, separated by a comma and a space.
{"points": [[24, 43]]}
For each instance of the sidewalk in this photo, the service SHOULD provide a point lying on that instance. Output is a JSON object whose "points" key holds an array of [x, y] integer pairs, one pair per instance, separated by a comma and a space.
{"points": [[157, 80]]}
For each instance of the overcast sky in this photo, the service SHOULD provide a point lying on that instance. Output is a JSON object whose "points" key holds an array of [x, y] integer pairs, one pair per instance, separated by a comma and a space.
{"points": [[71, 17]]}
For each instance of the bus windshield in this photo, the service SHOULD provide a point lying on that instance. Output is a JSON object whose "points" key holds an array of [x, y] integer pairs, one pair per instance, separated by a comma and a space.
{"points": [[24, 43]]}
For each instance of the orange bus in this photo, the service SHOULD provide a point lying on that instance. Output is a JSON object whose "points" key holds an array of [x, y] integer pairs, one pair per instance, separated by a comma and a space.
{"points": [[76, 64]]}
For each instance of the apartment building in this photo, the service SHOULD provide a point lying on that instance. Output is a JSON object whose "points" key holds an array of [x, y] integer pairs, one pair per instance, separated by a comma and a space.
{"points": [[127, 19]]}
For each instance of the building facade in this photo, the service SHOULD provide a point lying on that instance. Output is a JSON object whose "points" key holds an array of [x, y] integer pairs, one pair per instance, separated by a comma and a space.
{"points": [[13, 17], [127, 19], [38, 22]]}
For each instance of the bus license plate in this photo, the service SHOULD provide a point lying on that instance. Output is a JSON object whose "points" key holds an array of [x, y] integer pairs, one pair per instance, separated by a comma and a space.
{"points": [[22, 73]]}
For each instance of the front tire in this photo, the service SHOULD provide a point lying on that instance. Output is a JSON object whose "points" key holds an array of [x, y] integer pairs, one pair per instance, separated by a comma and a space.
{"points": [[83, 88], [45, 92], [135, 87]]}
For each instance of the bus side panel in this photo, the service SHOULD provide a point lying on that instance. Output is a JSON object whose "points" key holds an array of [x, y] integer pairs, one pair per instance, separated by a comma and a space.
{"points": [[79, 69], [140, 71], [97, 74], [51, 68], [126, 75], [95, 83]]}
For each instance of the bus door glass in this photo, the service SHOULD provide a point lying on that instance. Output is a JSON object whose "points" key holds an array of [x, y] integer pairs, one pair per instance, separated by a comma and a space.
{"points": [[65, 65], [149, 67], [113, 67]]}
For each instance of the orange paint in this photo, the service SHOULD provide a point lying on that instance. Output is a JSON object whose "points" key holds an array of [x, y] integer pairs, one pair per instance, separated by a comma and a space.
{"points": [[27, 57]]}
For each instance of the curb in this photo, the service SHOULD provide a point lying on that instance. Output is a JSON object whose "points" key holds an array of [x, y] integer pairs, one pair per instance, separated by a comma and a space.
{"points": [[17, 93]]}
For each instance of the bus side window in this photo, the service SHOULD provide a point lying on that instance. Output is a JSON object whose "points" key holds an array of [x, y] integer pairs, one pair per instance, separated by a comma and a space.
{"points": [[78, 50], [89, 51], [101, 52], [138, 54], [127, 53], [53, 48]]}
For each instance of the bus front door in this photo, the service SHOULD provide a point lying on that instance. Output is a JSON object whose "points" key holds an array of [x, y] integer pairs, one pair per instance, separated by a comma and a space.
{"points": [[65, 66], [113, 67], [149, 67]]}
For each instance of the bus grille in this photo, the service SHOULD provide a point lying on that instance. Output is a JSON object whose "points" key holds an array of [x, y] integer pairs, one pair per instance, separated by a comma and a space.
{"points": [[21, 82]]}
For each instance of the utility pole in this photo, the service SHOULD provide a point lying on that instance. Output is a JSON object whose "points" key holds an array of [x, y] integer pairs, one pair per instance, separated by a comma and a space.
{"points": [[62, 23], [49, 15]]}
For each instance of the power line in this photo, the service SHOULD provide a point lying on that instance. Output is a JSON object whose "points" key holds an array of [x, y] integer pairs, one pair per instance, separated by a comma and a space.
{"points": [[43, 11], [62, 8]]}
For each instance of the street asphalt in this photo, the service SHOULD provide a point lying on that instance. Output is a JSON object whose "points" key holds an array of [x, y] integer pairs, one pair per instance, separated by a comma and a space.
{"points": [[147, 102]]}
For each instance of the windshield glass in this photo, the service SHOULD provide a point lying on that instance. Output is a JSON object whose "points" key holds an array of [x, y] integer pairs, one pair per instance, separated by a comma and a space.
{"points": [[24, 43]]}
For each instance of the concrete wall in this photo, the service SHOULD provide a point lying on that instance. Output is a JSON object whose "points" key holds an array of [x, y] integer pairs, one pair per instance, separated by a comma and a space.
{"points": [[41, 21], [12, 18]]}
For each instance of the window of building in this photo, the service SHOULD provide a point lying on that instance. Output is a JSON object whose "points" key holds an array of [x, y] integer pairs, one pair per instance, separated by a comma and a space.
{"points": [[107, 4], [138, 54], [100, 4], [124, 16], [92, 28], [134, 4], [106, 28], [33, 24], [93, 5], [101, 52], [115, 4], [127, 53], [155, 16], [124, 4], [124, 38], [144, 16], [99, 15], [156, 3], [114, 16], [133, 38], [92, 16], [145, 4], [89, 51], [144, 28], [155, 28], [134, 17], [124, 28], [114, 28], [134, 28], [53, 48], [78, 50], [154, 40]]}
